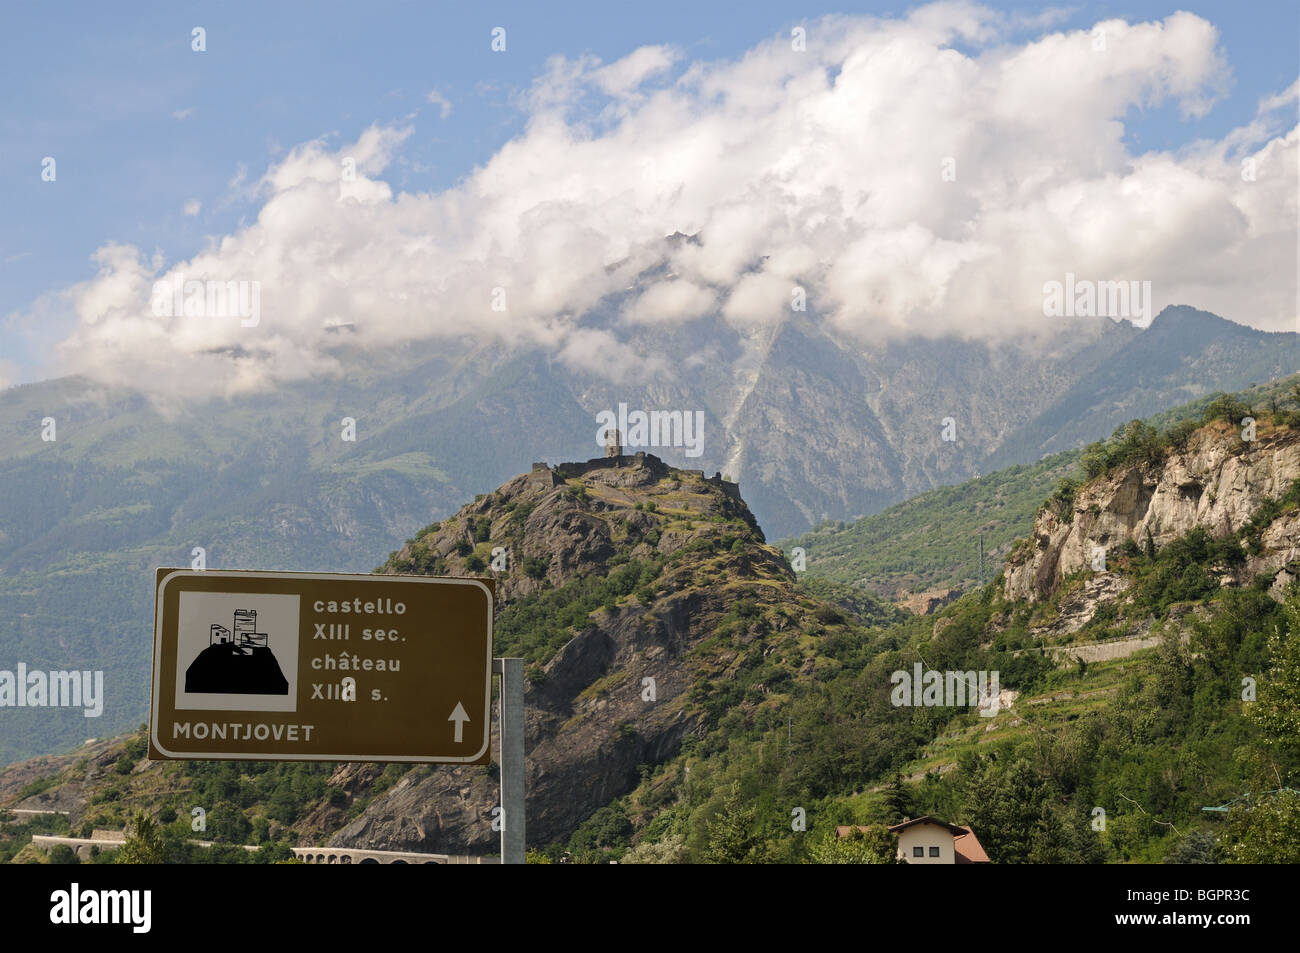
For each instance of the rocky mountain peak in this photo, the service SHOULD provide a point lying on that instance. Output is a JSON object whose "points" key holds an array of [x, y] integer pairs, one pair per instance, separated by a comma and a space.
{"points": [[554, 524], [635, 591]]}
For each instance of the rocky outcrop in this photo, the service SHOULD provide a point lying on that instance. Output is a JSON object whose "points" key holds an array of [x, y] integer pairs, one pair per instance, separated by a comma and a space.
{"points": [[929, 602], [1076, 608], [1217, 482], [592, 718]]}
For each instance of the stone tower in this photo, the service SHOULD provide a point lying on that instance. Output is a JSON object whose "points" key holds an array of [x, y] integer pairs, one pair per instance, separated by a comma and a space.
{"points": [[613, 443]]}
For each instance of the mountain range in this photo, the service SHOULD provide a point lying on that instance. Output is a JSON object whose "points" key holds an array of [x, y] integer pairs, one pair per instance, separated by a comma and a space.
{"points": [[812, 426], [688, 695]]}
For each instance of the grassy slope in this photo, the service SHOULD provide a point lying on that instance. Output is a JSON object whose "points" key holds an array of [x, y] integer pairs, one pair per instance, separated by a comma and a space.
{"points": [[932, 540]]}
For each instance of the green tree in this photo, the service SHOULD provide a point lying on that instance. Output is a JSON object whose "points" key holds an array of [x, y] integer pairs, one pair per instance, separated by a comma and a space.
{"points": [[607, 828], [1175, 677], [63, 854], [898, 803], [1277, 712], [1196, 847], [144, 843], [872, 845], [276, 852], [1064, 836], [1095, 460], [1226, 407], [1005, 807], [732, 836], [1266, 832], [228, 824], [283, 806], [670, 850], [262, 829]]}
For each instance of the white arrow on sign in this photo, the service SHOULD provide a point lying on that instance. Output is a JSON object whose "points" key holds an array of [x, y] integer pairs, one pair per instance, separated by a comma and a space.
{"points": [[459, 717]]}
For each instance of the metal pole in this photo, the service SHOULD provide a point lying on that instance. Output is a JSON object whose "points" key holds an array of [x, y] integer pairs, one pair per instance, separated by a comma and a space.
{"points": [[511, 720]]}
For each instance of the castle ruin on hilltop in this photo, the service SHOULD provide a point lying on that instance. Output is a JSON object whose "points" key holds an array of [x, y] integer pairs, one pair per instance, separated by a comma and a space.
{"points": [[615, 458]]}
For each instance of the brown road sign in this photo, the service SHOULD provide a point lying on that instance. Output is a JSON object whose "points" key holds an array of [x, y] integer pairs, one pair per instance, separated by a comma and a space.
{"points": [[295, 666]]}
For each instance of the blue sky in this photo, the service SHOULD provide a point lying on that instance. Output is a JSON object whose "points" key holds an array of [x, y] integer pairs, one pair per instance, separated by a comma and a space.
{"points": [[140, 124]]}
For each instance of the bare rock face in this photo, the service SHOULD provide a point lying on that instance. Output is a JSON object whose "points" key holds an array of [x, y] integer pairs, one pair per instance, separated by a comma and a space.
{"points": [[1217, 482], [930, 601], [1281, 553], [615, 695], [1077, 608]]}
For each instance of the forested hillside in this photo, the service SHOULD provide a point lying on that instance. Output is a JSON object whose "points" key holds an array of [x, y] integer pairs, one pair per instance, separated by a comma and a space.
{"points": [[1133, 694]]}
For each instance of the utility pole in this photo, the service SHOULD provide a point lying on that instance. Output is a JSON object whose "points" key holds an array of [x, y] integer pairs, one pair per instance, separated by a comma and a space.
{"points": [[511, 724]]}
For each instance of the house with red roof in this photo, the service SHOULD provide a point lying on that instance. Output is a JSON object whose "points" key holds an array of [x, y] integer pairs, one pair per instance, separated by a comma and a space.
{"points": [[929, 840]]}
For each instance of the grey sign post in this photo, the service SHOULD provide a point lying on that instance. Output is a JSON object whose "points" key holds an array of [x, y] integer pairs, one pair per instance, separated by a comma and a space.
{"points": [[511, 671]]}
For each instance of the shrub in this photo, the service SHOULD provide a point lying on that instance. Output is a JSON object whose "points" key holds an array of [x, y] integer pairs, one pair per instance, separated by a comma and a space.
{"points": [[875, 845], [1061, 502], [1226, 407], [63, 854], [828, 615], [1179, 572]]}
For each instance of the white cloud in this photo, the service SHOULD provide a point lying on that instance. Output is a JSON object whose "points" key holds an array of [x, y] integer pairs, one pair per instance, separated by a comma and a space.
{"points": [[181, 114], [821, 169], [624, 76], [670, 302], [441, 101], [192, 207]]}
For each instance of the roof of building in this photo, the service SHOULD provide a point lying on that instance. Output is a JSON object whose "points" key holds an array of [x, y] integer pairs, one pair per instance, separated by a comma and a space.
{"points": [[967, 848], [928, 819]]}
